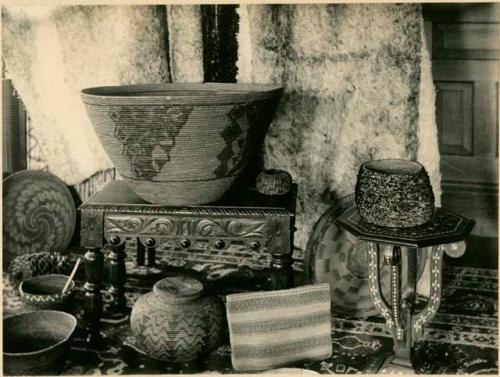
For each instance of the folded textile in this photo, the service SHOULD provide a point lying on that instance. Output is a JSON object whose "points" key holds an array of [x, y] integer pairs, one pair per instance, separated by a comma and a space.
{"points": [[277, 328]]}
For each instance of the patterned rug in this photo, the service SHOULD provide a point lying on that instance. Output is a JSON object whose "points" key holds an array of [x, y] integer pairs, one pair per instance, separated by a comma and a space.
{"points": [[462, 338]]}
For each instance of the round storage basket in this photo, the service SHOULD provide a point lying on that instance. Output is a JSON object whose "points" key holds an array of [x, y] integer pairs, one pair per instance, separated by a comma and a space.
{"points": [[394, 193]]}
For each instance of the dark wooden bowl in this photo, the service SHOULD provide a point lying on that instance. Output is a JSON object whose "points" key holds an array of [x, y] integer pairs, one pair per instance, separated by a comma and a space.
{"points": [[37, 342]]}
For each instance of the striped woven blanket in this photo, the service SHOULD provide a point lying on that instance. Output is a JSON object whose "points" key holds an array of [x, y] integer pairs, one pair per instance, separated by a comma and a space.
{"points": [[277, 328]]}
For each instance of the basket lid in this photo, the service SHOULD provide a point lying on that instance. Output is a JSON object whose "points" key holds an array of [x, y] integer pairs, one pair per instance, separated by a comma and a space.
{"points": [[178, 288]]}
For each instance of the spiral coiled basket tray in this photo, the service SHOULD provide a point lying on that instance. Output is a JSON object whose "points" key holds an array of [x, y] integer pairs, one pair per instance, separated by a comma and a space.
{"points": [[181, 144], [39, 214]]}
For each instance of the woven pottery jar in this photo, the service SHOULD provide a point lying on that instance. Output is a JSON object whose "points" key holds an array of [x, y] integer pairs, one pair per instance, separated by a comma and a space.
{"points": [[181, 144], [394, 193], [178, 321]]}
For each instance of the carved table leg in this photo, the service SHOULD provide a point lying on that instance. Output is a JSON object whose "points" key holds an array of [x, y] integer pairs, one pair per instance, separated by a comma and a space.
{"points": [[402, 299], [151, 256], [430, 310], [141, 255], [94, 262], [151, 250], [282, 271], [401, 319], [117, 275]]}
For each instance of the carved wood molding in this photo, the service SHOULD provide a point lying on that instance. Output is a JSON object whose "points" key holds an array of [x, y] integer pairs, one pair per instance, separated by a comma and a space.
{"points": [[195, 211], [186, 226], [91, 232]]}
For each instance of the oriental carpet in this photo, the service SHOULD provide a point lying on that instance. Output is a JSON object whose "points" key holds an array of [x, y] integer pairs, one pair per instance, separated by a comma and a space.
{"points": [[462, 337]]}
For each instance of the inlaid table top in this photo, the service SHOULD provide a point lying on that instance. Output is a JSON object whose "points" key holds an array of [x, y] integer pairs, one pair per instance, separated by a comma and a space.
{"points": [[444, 227]]}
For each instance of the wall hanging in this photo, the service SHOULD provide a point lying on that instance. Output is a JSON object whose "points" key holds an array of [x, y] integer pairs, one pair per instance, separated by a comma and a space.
{"points": [[353, 83]]}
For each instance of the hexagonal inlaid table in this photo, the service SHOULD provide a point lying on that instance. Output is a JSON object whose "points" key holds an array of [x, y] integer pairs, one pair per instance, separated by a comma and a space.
{"points": [[446, 232]]}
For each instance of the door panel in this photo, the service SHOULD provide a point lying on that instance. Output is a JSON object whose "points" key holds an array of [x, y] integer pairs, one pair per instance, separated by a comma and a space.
{"points": [[454, 117], [465, 47], [464, 43]]}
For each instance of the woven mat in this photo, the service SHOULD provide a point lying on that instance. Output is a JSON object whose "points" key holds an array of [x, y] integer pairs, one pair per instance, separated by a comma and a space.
{"points": [[462, 338]]}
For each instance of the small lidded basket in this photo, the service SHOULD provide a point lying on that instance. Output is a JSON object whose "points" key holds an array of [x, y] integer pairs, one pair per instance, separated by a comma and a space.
{"points": [[394, 193]]}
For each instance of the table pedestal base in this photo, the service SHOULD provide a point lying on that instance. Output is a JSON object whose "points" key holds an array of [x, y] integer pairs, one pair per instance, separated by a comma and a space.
{"points": [[399, 249], [402, 320], [391, 365]]}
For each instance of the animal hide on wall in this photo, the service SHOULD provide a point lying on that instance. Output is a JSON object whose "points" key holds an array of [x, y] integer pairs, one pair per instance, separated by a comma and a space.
{"points": [[185, 43], [352, 78], [428, 148], [357, 78], [52, 52]]}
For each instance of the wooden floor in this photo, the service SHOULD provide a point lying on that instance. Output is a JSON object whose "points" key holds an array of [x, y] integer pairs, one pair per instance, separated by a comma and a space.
{"points": [[481, 205]]}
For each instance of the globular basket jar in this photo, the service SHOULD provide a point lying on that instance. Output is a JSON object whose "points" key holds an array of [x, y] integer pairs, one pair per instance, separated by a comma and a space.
{"points": [[178, 321], [394, 193], [181, 144]]}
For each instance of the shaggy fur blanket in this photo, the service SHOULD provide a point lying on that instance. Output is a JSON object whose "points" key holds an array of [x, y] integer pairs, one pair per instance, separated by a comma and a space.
{"points": [[357, 80], [185, 43], [52, 52], [354, 78]]}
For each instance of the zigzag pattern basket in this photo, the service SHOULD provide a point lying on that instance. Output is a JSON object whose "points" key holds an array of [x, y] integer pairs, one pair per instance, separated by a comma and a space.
{"points": [[181, 144], [178, 321]]}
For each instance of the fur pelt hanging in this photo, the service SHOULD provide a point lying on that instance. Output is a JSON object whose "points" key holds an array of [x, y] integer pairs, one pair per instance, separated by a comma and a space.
{"points": [[185, 43], [51, 52], [354, 76]]}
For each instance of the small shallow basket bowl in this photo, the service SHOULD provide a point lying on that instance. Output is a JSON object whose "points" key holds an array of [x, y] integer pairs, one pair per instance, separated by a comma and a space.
{"points": [[37, 342], [45, 292], [181, 144]]}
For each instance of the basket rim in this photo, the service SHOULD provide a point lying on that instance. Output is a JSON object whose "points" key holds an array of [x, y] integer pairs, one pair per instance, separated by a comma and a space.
{"points": [[41, 278], [70, 317], [175, 93]]}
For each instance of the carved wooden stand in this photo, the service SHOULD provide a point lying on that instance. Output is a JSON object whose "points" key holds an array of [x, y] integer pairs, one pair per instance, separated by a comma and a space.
{"points": [[399, 248], [259, 224]]}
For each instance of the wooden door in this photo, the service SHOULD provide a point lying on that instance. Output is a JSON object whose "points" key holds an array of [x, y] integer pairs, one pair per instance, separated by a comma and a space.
{"points": [[464, 40], [464, 46]]}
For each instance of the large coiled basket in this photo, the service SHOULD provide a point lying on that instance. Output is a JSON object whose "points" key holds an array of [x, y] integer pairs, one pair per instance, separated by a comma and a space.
{"points": [[181, 144]]}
